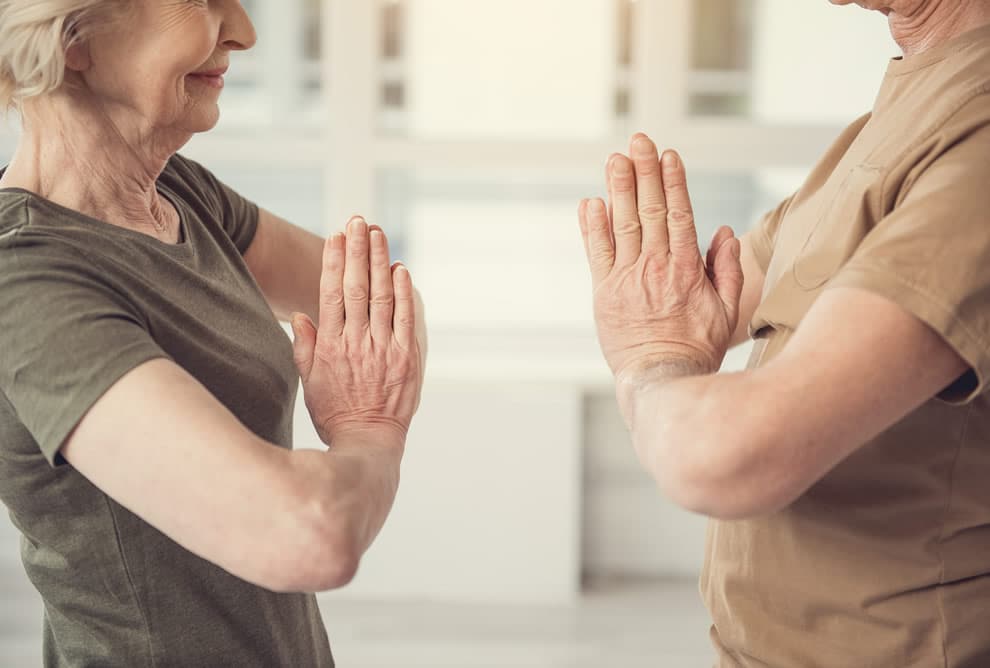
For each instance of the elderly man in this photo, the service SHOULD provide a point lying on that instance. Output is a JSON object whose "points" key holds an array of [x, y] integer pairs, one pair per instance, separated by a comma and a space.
{"points": [[848, 469]]}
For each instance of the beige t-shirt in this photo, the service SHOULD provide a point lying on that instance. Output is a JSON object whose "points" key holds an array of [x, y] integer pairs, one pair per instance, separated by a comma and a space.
{"points": [[886, 560]]}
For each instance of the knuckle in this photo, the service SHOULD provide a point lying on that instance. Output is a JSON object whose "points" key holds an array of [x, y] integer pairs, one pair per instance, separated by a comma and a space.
{"points": [[627, 226], [599, 224], [623, 185], [382, 301], [333, 298], [647, 167], [356, 293], [680, 215], [652, 210], [357, 249]]}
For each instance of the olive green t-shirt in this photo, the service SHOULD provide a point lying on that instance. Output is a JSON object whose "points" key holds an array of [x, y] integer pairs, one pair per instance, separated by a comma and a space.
{"points": [[83, 302], [885, 561]]}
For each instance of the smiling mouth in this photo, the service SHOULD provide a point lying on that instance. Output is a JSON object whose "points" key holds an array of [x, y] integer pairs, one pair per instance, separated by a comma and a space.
{"points": [[213, 79]]}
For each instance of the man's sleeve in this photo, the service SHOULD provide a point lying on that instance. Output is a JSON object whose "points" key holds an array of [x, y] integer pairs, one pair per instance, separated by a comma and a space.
{"points": [[931, 256], [763, 236]]}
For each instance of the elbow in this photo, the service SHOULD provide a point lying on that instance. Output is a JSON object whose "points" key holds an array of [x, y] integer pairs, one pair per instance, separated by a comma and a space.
{"points": [[729, 480], [317, 552], [338, 570], [320, 563], [331, 557]]}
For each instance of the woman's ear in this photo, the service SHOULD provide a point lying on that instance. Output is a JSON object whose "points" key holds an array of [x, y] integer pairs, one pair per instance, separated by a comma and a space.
{"points": [[77, 57]]}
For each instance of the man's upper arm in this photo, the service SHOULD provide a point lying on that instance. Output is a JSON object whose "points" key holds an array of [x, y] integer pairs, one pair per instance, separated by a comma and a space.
{"points": [[856, 365], [162, 446], [753, 278], [905, 318], [757, 250]]}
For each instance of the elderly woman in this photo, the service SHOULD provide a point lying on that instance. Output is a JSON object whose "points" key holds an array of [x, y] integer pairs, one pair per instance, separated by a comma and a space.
{"points": [[848, 469], [146, 387]]}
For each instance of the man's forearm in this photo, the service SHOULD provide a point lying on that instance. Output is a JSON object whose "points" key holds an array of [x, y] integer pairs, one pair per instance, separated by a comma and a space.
{"points": [[686, 426]]}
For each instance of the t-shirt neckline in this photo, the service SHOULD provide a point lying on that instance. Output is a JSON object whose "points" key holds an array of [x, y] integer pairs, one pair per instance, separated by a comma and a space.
{"points": [[908, 64], [183, 247]]}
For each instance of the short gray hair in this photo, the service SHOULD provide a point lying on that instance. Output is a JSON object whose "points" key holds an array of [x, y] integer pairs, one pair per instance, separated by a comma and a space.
{"points": [[34, 38]]}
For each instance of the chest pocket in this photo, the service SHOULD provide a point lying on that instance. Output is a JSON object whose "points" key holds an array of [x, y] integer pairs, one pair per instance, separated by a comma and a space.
{"points": [[845, 218]]}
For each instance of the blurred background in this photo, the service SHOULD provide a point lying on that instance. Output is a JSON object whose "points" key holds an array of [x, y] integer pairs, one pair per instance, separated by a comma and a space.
{"points": [[525, 533]]}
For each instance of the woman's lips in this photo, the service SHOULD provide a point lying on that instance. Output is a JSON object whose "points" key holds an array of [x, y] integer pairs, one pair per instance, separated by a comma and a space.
{"points": [[211, 78]]}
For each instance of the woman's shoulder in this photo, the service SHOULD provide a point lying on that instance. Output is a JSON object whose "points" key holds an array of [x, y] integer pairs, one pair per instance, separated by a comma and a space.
{"points": [[28, 224], [191, 182]]}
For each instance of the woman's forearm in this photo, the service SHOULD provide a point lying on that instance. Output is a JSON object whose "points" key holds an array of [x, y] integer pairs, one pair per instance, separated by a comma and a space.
{"points": [[347, 493]]}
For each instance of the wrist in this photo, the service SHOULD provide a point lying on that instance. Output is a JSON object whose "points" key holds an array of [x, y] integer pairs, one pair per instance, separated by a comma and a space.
{"points": [[640, 378], [364, 436]]}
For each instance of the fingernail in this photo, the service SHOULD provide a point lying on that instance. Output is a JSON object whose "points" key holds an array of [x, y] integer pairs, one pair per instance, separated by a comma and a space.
{"points": [[358, 225], [642, 144], [671, 160], [597, 207]]}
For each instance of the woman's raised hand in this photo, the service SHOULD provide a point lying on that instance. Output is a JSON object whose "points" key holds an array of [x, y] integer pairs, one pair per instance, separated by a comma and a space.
{"points": [[361, 368], [656, 300]]}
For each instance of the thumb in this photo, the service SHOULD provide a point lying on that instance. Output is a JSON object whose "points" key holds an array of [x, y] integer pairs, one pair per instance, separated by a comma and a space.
{"points": [[303, 343], [728, 277]]}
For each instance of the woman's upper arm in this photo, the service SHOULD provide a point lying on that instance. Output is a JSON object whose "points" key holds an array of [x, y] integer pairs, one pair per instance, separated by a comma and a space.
{"points": [[162, 446], [286, 261]]}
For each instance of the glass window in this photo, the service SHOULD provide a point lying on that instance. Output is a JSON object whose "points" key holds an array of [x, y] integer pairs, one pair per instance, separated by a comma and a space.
{"points": [[511, 69], [511, 239], [785, 62], [294, 193]]}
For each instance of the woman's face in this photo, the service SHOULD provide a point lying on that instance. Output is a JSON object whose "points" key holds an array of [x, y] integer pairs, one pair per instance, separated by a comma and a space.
{"points": [[161, 66]]}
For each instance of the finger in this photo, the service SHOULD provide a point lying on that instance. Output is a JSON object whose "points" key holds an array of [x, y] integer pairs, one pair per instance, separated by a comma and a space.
{"points": [[722, 235], [332, 287], [356, 278], [608, 185], [680, 215], [382, 303], [601, 252], [652, 205], [303, 343], [583, 223], [404, 320], [625, 218], [728, 278]]}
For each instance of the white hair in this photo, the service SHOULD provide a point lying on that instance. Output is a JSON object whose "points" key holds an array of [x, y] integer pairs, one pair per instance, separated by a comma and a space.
{"points": [[34, 38]]}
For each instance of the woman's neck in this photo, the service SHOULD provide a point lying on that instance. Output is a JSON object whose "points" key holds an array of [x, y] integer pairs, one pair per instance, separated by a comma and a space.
{"points": [[85, 161], [925, 24]]}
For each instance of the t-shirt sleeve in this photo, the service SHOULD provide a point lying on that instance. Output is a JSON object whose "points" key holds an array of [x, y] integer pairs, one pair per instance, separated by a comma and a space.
{"points": [[763, 235], [931, 256], [65, 339], [237, 214]]}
